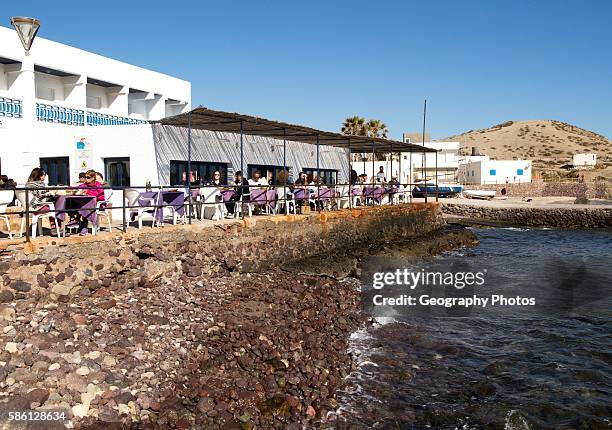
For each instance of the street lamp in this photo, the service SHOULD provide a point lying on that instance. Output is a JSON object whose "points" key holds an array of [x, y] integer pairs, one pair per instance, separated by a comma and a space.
{"points": [[26, 29]]}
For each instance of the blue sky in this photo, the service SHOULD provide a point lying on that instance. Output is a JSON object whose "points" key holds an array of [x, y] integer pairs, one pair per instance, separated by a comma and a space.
{"points": [[478, 62]]}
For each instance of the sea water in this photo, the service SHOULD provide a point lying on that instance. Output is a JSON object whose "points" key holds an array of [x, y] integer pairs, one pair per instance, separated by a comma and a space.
{"points": [[495, 367]]}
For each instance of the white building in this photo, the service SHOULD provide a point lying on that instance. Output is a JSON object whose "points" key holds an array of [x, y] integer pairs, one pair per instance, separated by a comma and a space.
{"points": [[585, 161], [52, 100], [495, 172]]}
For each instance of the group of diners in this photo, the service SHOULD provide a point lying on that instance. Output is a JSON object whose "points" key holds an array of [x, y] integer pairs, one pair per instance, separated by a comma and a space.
{"points": [[301, 190], [41, 198]]}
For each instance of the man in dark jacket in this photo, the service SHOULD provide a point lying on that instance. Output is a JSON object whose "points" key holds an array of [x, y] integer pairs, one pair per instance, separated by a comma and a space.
{"points": [[242, 191]]}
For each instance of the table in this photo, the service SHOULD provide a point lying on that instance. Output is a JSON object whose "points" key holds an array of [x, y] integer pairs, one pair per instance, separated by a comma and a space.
{"points": [[84, 205], [176, 199]]}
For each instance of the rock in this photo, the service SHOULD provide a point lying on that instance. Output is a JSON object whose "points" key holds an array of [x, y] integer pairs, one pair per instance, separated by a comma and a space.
{"points": [[76, 383], [7, 313], [80, 410], [205, 404], [93, 355], [61, 289], [310, 411], [20, 286], [11, 347], [109, 361], [6, 296], [38, 395], [54, 366], [82, 371]]}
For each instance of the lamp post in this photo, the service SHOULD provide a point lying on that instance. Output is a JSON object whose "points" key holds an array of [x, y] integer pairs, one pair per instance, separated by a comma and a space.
{"points": [[26, 29]]}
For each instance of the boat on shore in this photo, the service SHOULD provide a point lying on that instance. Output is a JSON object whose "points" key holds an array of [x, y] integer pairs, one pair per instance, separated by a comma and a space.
{"points": [[479, 194], [430, 189]]}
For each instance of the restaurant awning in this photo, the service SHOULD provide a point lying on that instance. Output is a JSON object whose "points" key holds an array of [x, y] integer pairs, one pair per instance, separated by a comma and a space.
{"points": [[214, 120]]}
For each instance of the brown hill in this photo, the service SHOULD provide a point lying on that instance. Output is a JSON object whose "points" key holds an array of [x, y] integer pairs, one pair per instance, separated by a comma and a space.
{"points": [[549, 143]]}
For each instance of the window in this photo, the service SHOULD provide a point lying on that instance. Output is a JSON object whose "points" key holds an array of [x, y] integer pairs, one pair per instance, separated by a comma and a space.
{"points": [[263, 169], [519, 172], [117, 171], [58, 170], [330, 176], [492, 172], [201, 172]]}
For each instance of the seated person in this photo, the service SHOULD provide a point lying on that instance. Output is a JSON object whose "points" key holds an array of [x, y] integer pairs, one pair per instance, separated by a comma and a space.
{"points": [[242, 191], [300, 184], [92, 188], [257, 182], [216, 180], [270, 180], [40, 198]]}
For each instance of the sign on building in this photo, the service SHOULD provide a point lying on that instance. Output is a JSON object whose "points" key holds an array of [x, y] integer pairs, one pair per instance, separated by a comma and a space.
{"points": [[83, 155]]}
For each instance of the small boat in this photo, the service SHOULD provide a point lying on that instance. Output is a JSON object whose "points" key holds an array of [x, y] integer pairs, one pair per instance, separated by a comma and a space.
{"points": [[479, 194], [430, 189]]}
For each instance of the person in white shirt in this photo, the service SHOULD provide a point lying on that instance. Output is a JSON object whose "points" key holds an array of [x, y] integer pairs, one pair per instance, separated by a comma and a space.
{"points": [[380, 176], [257, 182]]}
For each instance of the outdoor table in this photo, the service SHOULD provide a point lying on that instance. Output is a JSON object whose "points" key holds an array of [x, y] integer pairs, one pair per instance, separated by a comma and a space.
{"points": [[84, 205], [356, 192], [299, 194], [176, 199], [271, 198], [227, 195]]}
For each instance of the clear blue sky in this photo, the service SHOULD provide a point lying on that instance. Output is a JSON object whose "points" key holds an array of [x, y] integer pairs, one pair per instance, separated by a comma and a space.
{"points": [[312, 62]]}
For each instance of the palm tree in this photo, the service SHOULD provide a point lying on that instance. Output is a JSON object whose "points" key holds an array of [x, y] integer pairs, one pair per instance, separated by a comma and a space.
{"points": [[376, 128], [354, 126]]}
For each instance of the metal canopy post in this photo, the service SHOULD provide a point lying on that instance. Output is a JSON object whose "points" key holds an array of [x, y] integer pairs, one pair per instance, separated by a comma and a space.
{"points": [[391, 177], [436, 175], [424, 178], [350, 185], [285, 172], [189, 167], [373, 167], [318, 176], [241, 149]]}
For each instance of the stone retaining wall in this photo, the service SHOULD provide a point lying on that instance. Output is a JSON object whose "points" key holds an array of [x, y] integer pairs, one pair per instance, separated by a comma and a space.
{"points": [[84, 265], [540, 217], [592, 190]]}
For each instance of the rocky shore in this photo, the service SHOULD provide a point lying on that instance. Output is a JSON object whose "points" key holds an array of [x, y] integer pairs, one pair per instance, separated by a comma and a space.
{"points": [[231, 351], [160, 343]]}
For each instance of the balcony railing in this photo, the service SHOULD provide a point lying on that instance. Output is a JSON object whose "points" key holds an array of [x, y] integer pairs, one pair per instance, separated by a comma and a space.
{"points": [[59, 114], [10, 108], [70, 116], [96, 118]]}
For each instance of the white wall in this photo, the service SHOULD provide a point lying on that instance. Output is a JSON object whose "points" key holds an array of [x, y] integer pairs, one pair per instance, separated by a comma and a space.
{"points": [[585, 160], [85, 64], [495, 172]]}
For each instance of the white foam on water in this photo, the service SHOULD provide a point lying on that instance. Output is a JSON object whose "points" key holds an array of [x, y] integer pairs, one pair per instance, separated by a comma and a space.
{"points": [[515, 421]]}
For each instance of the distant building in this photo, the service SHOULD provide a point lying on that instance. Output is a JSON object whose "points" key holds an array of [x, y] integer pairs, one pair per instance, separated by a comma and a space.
{"points": [[585, 161], [484, 172], [415, 137]]}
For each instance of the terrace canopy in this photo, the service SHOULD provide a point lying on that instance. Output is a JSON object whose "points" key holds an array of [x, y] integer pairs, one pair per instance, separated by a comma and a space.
{"points": [[215, 120]]}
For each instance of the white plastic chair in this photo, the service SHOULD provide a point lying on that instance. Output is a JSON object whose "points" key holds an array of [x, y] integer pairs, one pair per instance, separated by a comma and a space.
{"points": [[35, 217], [6, 198], [343, 197], [140, 212], [212, 203], [284, 200], [240, 204], [103, 210]]}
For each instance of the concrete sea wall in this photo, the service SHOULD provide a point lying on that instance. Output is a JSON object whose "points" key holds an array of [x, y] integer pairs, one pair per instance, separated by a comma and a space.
{"points": [[591, 190], [536, 217], [115, 261]]}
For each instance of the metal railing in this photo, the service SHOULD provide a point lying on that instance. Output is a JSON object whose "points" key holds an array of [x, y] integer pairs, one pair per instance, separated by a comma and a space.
{"points": [[10, 108], [71, 116], [192, 205]]}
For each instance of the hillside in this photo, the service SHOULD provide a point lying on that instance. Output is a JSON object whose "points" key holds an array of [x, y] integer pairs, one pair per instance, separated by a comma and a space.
{"points": [[549, 143]]}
